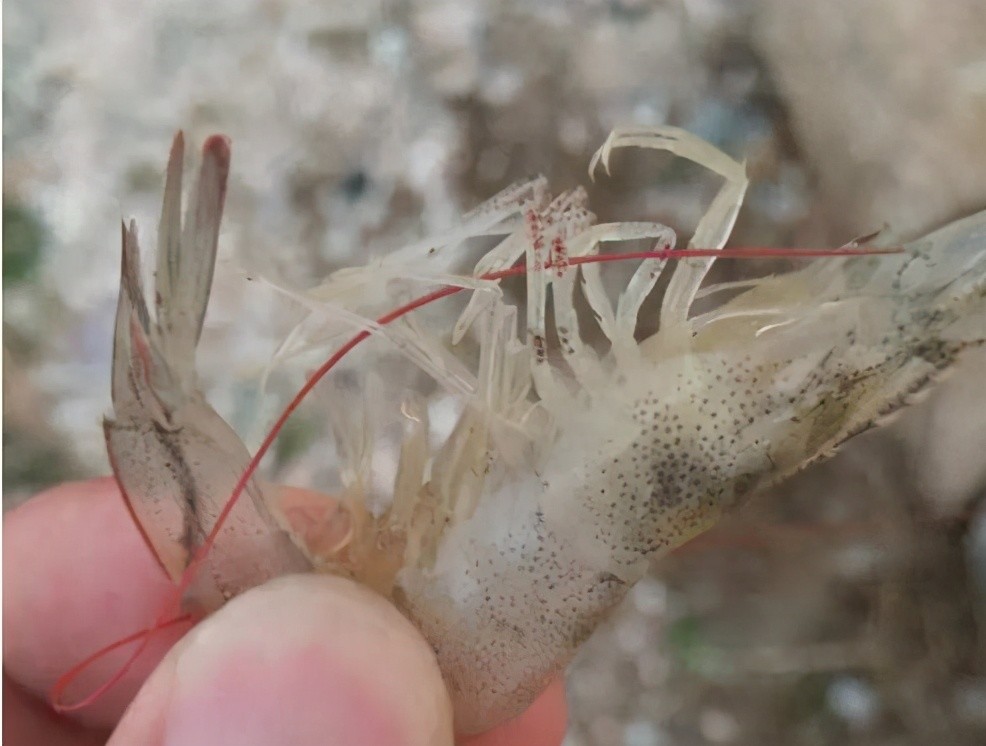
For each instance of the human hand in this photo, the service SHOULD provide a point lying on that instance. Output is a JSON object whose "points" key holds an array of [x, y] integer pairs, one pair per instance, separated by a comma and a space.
{"points": [[302, 660]]}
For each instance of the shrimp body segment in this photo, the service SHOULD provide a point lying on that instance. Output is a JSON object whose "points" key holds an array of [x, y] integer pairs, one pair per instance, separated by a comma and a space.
{"points": [[574, 462]]}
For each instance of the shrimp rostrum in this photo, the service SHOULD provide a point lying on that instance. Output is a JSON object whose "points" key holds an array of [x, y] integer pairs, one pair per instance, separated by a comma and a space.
{"points": [[576, 455]]}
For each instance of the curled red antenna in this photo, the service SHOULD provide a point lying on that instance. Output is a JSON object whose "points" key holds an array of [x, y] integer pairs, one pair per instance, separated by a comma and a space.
{"points": [[143, 637]]}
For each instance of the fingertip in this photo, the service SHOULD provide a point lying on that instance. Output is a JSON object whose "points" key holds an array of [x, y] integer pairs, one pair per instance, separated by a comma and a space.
{"points": [[77, 576], [303, 659]]}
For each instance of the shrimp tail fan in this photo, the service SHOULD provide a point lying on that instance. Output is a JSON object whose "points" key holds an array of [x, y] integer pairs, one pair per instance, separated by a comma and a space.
{"points": [[175, 459]]}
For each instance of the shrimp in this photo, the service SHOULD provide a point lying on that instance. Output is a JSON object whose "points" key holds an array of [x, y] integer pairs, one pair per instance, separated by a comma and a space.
{"points": [[572, 462]]}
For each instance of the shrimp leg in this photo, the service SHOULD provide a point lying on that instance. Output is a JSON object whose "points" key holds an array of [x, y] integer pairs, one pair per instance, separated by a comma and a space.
{"points": [[617, 326], [548, 236], [715, 226]]}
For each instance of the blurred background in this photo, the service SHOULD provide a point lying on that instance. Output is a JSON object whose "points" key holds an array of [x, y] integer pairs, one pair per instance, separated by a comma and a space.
{"points": [[848, 606]]}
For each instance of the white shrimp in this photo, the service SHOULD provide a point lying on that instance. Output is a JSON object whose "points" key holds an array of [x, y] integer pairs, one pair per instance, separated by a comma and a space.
{"points": [[570, 465]]}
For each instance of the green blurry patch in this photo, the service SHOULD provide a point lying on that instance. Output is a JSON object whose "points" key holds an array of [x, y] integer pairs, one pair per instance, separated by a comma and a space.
{"points": [[806, 698], [32, 463], [689, 643], [803, 708], [296, 437], [143, 177], [23, 235]]}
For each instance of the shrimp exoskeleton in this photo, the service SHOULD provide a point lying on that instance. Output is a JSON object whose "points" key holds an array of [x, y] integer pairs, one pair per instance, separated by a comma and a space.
{"points": [[175, 458], [571, 464]]}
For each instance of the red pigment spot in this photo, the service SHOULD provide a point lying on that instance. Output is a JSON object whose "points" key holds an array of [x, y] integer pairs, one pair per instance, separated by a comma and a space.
{"points": [[559, 256], [536, 235], [217, 146]]}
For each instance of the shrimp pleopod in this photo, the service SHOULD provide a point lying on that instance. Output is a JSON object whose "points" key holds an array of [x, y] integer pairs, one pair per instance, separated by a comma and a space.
{"points": [[575, 455]]}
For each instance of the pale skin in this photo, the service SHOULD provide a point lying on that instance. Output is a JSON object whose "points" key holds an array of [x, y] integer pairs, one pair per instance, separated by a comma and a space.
{"points": [[302, 660]]}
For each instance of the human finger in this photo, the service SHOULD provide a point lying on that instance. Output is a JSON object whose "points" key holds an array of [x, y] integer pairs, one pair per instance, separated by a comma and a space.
{"points": [[26, 720], [305, 659], [77, 576]]}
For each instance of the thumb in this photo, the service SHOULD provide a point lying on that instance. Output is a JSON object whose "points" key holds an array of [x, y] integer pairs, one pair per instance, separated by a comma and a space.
{"points": [[302, 660]]}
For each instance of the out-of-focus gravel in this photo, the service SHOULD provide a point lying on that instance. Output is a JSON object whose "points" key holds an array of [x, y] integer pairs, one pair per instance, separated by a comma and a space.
{"points": [[847, 607]]}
